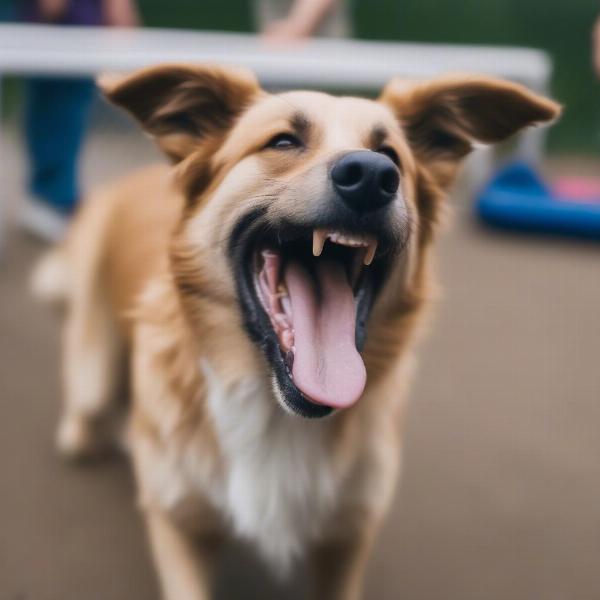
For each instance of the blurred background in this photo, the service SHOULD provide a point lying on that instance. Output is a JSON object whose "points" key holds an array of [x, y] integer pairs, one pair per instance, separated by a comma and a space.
{"points": [[562, 29], [501, 489]]}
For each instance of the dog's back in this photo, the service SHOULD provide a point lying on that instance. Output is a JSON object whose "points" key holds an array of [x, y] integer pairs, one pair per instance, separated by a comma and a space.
{"points": [[117, 242]]}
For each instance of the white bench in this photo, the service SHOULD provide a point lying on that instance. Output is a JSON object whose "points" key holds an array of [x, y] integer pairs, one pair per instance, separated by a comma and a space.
{"points": [[334, 64], [345, 65]]}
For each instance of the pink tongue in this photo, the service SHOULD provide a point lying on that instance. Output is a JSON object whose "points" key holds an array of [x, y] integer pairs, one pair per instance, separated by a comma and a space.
{"points": [[327, 366]]}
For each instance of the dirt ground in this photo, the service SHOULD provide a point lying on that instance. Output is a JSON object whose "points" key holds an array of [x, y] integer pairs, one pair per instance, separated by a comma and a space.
{"points": [[501, 486]]}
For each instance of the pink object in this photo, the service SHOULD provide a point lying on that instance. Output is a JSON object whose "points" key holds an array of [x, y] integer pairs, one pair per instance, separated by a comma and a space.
{"points": [[327, 367], [578, 189]]}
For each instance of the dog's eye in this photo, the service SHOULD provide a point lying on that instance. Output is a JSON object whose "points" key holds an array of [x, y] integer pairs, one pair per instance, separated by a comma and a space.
{"points": [[390, 153], [284, 141]]}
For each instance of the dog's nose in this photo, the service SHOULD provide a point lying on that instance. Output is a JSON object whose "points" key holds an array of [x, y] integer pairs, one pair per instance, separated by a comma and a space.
{"points": [[365, 180]]}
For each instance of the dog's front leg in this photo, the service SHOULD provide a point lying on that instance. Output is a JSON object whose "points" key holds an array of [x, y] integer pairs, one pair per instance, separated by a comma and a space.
{"points": [[339, 566], [184, 562]]}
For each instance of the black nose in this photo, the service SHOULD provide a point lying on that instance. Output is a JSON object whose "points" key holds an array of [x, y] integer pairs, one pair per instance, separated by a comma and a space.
{"points": [[365, 180]]}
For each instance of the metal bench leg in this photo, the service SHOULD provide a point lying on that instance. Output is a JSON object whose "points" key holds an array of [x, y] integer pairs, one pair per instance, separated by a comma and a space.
{"points": [[531, 145], [479, 168], [532, 142], [3, 202]]}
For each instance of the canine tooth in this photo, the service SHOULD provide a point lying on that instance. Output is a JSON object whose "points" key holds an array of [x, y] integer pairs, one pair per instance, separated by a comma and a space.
{"points": [[370, 254], [319, 237]]}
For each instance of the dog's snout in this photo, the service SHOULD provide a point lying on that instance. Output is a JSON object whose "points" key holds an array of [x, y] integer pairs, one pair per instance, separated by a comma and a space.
{"points": [[365, 180]]}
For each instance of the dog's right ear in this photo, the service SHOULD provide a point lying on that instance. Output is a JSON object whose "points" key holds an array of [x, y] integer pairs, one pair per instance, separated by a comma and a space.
{"points": [[445, 116], [183, 106]]}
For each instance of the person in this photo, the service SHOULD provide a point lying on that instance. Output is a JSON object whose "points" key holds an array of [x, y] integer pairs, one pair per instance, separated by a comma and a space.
{"points": [[56, 115], [294, 20]]}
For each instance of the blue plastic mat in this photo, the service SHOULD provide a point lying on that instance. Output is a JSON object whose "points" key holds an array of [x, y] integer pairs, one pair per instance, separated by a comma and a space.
{"points": [[517, 198]]}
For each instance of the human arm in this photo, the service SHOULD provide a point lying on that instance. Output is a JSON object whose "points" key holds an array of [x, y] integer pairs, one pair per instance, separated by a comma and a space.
{"points": [[302, 21], [121, 13]]}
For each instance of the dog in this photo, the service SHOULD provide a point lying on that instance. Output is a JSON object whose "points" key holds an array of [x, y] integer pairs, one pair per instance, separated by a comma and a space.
{"points": [[261, 297]]}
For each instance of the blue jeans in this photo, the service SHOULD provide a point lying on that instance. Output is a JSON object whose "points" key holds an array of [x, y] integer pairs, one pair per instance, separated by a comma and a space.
{"points": [[55, 122]]}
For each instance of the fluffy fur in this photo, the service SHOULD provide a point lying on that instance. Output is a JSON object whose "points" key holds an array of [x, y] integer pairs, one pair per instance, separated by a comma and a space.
{"points": [[149, 281]]}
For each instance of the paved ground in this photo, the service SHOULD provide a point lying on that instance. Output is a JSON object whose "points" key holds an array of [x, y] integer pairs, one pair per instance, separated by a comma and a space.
{"points": [[501, 490]]}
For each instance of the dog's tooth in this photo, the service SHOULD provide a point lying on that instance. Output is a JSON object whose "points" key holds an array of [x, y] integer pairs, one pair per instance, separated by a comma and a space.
{"points": [[274, 307], [286, 305], [287, 339], [370, 254], [346, 240], [319, 237], [281, 320], [272, 265]]}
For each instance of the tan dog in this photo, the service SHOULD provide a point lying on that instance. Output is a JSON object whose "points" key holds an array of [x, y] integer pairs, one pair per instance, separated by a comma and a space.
{"points": [[267, 289]]}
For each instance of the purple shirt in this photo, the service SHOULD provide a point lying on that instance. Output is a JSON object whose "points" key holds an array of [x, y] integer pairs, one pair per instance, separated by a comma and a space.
{"points": [[79, 12]]}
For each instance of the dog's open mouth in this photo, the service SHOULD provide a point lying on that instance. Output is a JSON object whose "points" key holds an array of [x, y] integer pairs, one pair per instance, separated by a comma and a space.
{"points": [[310, 293], [306, 294]]}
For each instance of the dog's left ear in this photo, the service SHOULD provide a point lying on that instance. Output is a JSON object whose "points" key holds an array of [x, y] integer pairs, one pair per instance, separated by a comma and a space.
{"points": [[183, 106], [442, 118]]}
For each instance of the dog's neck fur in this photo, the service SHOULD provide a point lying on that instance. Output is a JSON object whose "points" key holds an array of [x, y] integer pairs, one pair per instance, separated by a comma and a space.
{"points": [[275, 477], [223, 442], [280, 484]]}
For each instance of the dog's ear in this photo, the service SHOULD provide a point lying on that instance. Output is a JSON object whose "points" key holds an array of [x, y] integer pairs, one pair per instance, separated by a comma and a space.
{"points": [[182, 106], [442, 118]]}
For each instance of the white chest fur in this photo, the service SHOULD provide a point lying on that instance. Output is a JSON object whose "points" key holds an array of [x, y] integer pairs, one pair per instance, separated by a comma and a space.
{"points": [[279, 484]]}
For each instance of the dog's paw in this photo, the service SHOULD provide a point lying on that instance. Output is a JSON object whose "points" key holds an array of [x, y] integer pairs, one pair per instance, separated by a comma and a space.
{"points": [[77, 438]]}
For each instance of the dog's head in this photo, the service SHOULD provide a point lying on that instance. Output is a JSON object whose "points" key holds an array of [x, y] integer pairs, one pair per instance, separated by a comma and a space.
{"points": [[310, 214]]}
